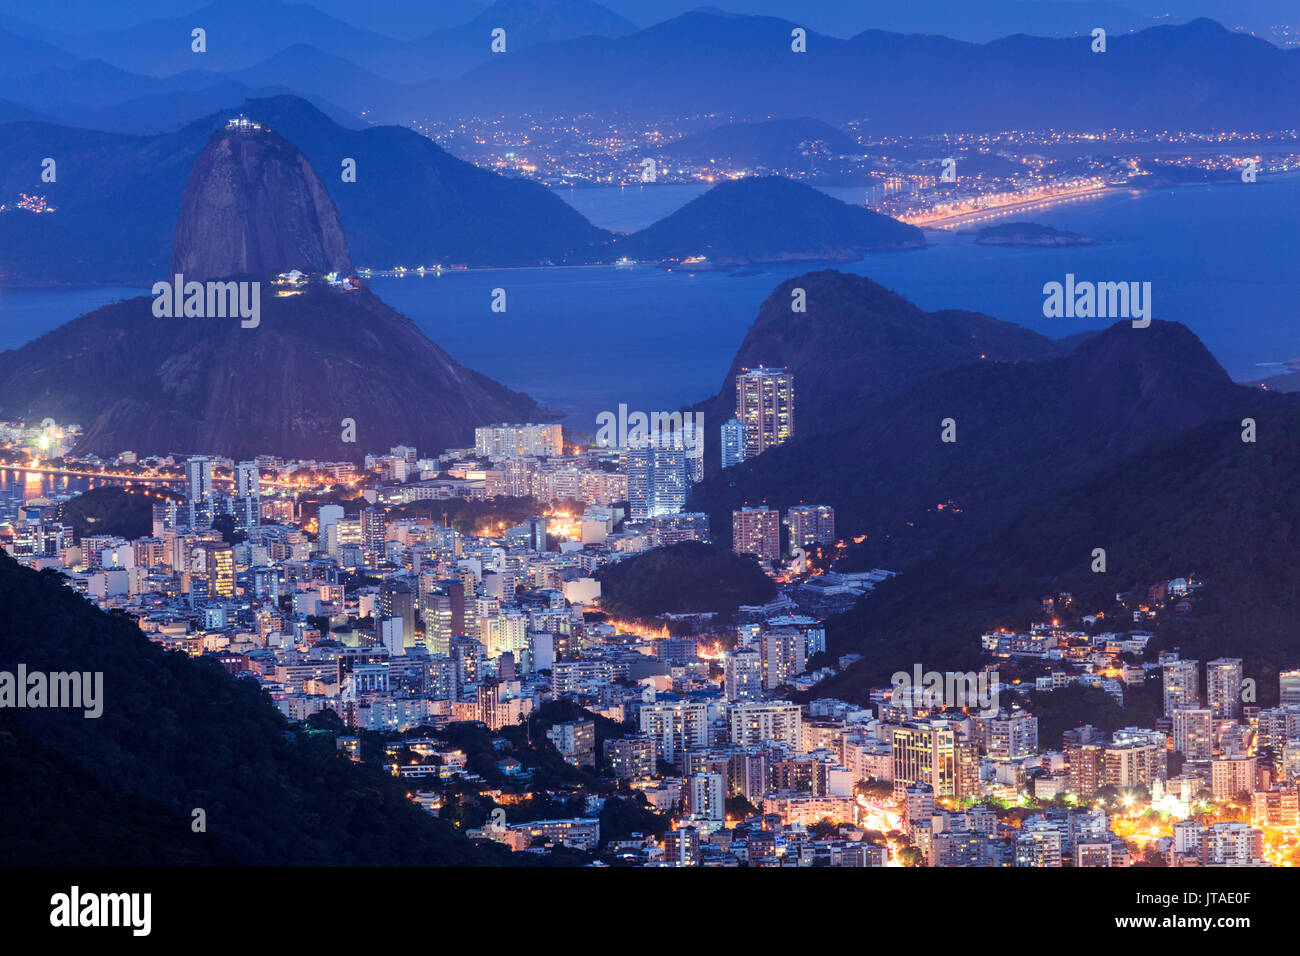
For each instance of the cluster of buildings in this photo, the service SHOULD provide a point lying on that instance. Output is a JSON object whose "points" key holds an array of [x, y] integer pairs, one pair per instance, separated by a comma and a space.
{"points": [[315, 581]]}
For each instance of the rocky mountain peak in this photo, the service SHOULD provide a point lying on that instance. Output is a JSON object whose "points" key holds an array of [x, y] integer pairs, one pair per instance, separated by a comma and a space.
{"points": [[253, 205]]}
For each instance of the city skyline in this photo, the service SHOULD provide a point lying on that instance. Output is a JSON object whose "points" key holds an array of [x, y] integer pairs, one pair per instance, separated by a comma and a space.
{"points": [[605, 437]]}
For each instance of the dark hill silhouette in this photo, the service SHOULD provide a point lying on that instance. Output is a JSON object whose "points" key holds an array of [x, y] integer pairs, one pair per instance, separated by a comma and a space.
{"points": [[769, 219], [858, 342], [1199, 502], [177, 734], [160, 385], [1025, 430], [773, 143]]}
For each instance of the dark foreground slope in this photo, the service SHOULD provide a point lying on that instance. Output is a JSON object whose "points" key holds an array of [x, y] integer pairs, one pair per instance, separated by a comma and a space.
{"points": [[178, 734]]}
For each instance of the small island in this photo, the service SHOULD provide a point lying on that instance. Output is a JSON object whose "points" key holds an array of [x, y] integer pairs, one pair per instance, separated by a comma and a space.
{"points": [[1029, 234]]}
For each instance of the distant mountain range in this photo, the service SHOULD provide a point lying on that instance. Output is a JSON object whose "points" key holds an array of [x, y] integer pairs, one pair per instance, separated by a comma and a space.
{"points": [[24, 56], [282, 384], [1195, 76], [572, 56], [240, 34], [96, 95]]}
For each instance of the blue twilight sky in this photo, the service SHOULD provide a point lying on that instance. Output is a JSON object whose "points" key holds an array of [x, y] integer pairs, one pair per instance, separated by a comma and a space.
{"points": [[409, 18]]}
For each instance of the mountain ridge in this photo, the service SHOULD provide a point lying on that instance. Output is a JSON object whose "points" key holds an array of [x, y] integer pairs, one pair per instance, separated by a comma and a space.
{"points": [[1024, 428]]}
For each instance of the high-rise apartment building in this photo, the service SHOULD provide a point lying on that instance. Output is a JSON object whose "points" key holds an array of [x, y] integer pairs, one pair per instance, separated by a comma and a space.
{"points": [[374, 535], [733, 442], [935, 753], [1012, 735], [576, 742], [198, 478], [215, 561], [757, 531], [765, 408], [784, 652], [705, 796], [1288, 688], [1223, 687], [1182, 686], [1193, 732], [1132, 762], [630, 757], [1232, 776], [658, 480], [754, 723], [743, 675], [675, 726], [518, 441], [810, 526], [248, 496]]}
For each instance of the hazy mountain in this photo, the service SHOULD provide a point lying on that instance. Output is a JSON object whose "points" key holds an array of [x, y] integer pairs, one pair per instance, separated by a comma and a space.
{"points": [[404, 19], [173, 111], [97, 95], [306, 69], [21, 55], [13, 113], [774, 143], [1197, 75], [252, 207], [96, 83], [240, 34], [573, 56], [769, 219], [412, 203], [975, 20], [401, 19], [453, 51]]}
